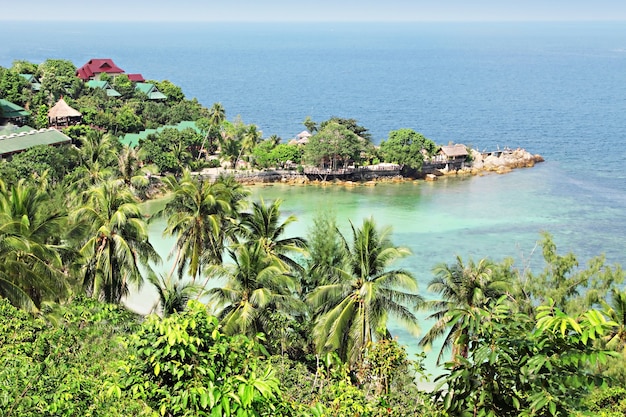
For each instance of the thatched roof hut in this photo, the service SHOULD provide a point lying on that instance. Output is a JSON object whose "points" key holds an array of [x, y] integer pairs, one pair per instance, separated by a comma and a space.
{"points": [[61, 114]]}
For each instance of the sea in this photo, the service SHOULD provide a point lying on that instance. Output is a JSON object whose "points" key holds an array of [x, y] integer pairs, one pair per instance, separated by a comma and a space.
{"points": [[554, 89]]}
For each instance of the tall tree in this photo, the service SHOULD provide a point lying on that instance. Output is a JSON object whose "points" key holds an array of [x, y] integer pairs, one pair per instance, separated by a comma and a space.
{"points": [[462, 287], [197, 215], [353, 311], [256, 285], [116, 242], [31, 248], [263, 226]]}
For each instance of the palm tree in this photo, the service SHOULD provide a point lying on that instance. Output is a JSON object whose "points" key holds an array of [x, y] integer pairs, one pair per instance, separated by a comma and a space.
{"points": [[256, 286], [132, 170], [197, 215], [462, 287], [173, 294], [31, 249], [116, 242], [263, 226], [352, 312], [616, 311]]}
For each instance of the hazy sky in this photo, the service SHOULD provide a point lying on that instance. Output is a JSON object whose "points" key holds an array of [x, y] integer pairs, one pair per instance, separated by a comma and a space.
{"points": [[321, 10]]}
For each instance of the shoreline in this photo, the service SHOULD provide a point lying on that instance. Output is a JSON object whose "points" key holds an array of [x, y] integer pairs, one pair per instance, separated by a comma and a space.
{"points": [[481, 164]]}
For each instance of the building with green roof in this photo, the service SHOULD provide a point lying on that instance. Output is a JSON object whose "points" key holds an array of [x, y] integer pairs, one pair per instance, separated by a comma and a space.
{"points": [[12, 112], [132, 139], [35, 85], [103, 85], [15, 140], [151, 91]]}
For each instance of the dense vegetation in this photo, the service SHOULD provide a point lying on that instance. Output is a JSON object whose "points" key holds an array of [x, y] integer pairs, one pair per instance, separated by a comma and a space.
{"points": [[250, 321]]}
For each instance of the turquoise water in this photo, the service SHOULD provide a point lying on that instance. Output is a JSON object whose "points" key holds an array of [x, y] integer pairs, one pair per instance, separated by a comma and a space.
{"points": [[557, 89]]}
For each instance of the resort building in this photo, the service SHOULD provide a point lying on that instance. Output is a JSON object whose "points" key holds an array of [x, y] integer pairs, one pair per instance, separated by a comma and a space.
{"points": [[151, 91], [15, 139], [11, 112], [35, 85], [95, 67], [103, 85]]}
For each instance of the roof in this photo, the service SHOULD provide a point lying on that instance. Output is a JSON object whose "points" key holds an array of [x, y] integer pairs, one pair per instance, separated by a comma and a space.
{"points": [[454, 150], [103, 85], [97, 66], [20, 140], [132, 139], [151, 91], [12, 110], [137, 78], [62, 109], [34, 82]]}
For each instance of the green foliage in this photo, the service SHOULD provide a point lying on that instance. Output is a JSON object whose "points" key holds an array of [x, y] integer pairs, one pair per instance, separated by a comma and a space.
{"points": [[351, 124], [38, 162], [173, 92], [573, 289], [58, 78], [183, 365], [123, 85], [517, 366], [13, 88], [333, 146], [171, 150], [352, 312], [57, 365], [406, 147]]}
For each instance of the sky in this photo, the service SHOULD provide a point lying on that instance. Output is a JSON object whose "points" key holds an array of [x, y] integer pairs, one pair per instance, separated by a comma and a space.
{"points": [[315, 11]]}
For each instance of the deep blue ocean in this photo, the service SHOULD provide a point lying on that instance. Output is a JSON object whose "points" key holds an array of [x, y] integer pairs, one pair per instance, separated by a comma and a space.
{"points": [[556, 89]]}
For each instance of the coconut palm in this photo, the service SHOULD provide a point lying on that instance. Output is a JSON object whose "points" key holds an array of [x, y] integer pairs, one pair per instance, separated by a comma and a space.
{"points": [[31, 252], [462, 288], [256, 285], [198, 213], [353, 311], [116, 242], [616, 311], [263, 226], [173, 293], [133, 171]]}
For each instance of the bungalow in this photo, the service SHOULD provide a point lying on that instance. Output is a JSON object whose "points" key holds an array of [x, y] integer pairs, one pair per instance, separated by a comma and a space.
{"points": [[15, 140], [151, 91], [95, 67], [301, 138], [454, 155], [35, 85], [103, 85], [11, 112]]}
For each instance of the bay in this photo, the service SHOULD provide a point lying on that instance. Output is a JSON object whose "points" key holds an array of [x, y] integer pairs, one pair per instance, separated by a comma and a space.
{"points": [[557, 89]]}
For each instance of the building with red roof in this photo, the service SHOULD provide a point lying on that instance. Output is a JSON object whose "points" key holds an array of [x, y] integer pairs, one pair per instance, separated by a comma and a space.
{"points": [[136, 78], [96, 67]]}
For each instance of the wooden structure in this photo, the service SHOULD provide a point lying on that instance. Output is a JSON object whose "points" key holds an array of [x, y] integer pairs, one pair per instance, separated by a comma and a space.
{"points": [[62, 115]]}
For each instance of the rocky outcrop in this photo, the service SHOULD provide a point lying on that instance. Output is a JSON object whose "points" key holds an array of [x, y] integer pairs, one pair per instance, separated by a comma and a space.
{"points": [[504, 161]]}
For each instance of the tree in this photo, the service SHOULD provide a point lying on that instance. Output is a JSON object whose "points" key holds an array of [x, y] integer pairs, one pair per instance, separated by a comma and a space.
{"points": [[325, 252], [13, 88], [406, 147], [310, 125], [462, 287], [116, 242], [256, 285], [124, 86], [58, 78], [263, 226], [353, 311], [351, 124], [520, 366], [333, 146], [174, 294], [133, 171], [127, 121], [31, 247], [573, 289], [197, 216], [184, 365], [173, 92]]}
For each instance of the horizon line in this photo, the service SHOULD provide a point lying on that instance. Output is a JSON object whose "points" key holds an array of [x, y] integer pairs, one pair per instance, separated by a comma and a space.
{"points": [[504, 20]]}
